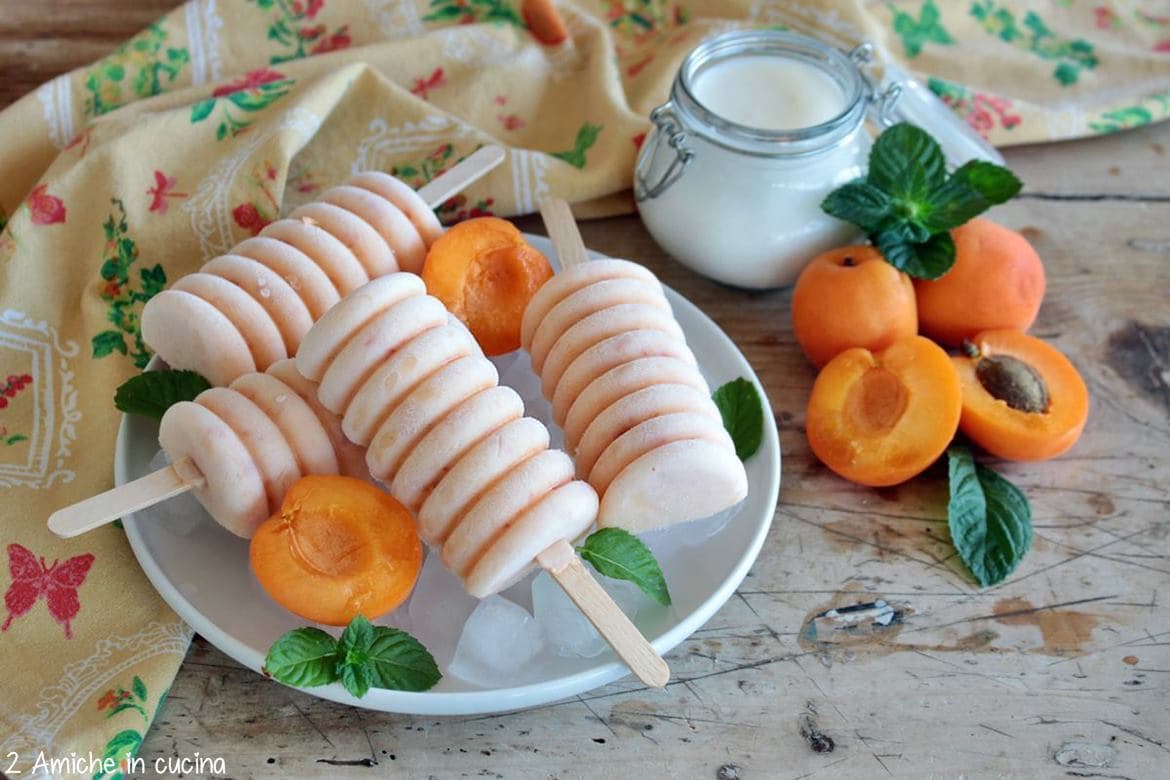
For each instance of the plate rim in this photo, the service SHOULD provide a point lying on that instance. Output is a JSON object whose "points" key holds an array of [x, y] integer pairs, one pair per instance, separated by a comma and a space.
{"points": [[488, 700]]}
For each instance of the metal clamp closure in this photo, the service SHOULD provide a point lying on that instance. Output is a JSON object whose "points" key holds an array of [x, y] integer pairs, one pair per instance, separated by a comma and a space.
{"points": [[881, 103], [666, 126]]}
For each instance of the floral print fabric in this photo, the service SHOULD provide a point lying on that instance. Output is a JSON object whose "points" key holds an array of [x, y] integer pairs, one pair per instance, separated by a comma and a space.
{"points": [[195, 133]]}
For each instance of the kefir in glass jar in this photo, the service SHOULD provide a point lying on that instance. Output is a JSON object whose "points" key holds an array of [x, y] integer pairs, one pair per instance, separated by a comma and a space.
{"points": [[760, 126]]}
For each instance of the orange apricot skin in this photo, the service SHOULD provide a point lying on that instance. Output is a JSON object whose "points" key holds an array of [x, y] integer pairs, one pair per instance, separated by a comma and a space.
{"points": [[899, 426], [339, 547], [485, 273], [850, 297], [496, 292], [1013, 434], [996, 283], [453, 253]]}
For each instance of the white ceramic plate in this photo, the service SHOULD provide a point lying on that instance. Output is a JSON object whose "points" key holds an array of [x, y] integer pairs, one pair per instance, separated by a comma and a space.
{"points": [[202, 571]]}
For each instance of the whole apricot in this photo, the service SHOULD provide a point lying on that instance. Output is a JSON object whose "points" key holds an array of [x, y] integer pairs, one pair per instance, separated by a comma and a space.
{"points": [[996, 283], [851, 297]]}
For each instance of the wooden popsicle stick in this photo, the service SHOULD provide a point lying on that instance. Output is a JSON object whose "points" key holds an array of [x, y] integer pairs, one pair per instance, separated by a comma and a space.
{"points": [[562, 229], [95, 511], [627, 641], [477, 165]]}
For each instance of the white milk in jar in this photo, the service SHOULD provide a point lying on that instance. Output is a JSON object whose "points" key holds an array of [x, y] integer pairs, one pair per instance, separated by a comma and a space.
{"points": [[760, 127]]}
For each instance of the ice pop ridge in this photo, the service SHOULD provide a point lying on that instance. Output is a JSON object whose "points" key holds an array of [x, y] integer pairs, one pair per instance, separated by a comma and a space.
{"points": [[411, 385], [247, 309], [637, 413]]}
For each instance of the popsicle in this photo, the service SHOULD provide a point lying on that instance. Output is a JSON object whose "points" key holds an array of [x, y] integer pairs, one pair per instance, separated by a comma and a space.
{"points": [[637, 413], [238, 448], [247, 309], [453, 446]]}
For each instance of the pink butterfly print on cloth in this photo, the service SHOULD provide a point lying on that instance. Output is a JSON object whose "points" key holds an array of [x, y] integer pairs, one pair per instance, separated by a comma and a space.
{"points": [[162, 189], [58, 583]]}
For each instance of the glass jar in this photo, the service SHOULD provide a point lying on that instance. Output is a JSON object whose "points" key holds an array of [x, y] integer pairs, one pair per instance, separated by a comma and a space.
{"points": [[741, 204]]}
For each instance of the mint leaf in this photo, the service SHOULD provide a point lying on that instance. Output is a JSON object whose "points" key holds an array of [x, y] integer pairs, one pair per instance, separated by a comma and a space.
{"points": [[304, 657], [928, 260], [151, 393], [972, 189], [618, 554], [365, 657], [989, 518], [355, 678], [907, 202], [742, 410], [906, 163], [398, 661], [861, 203], [994, 182], [356, 638]]}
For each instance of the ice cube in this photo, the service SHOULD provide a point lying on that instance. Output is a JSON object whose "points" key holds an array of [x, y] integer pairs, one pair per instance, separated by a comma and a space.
{"points": [[498, 642], [438, 608], [180, 515], [566, 629], [665, 542]]}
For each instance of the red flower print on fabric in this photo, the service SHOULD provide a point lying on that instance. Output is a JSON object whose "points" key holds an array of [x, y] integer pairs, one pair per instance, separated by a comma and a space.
{"points": [[250, 80], [249, 218], [511, 121], [338, 40], [423, 87], [162, 189], [12, 387], [58, 583], [45, 209]]}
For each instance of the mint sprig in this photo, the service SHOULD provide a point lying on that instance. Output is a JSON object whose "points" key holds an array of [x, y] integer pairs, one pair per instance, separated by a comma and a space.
{"points": [[366, 656], [990, 519], [742, 410], [619, 555], [907, 203], [151, 393]]}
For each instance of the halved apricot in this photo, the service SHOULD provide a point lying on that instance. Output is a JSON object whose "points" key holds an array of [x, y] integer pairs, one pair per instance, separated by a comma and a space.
{"points": [[485, 273], [339, 547], [880, 418], [1022, 398]]}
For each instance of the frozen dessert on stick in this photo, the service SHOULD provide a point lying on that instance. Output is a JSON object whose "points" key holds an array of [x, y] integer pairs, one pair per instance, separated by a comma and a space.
{"points": [[247, 309], [637, 414], [238, 448], [453, 446]]}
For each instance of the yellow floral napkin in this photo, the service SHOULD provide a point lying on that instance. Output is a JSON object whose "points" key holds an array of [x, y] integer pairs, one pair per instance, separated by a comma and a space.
{"points": [[121, 176]]}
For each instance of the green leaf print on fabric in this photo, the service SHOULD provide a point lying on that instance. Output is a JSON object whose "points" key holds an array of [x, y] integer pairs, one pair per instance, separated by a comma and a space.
{"points": [[252, 92], [124, 745], [141, 67], [983, 111], [470, 11], [121, 748], [1033, 35], [586, 137], [1152, 109], [294, 28], [124, 301], [916, 33], [416, 173]]}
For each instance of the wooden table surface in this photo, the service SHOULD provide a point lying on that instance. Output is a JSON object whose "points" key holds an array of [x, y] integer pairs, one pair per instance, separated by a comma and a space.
{"points": [[1063, 670]]}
